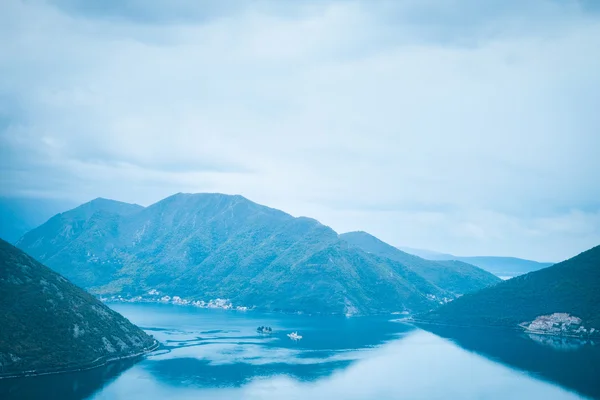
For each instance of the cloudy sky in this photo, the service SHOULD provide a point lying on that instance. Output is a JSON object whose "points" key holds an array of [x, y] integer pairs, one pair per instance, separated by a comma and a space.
{"points": [[461, 126]]}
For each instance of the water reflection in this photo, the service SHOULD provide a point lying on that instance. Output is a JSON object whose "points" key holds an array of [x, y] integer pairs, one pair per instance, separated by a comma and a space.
{"points": [[71, 386], [212, 354], [201, 373], [561, 343], [223, 349], [419, 365], [571, 363]]}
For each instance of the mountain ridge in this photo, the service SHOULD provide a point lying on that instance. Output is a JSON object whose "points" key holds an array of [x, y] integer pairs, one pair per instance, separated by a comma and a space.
{"points": [[203, 247], [19, 215], [456, 277], [498, 265], [557, 293]]}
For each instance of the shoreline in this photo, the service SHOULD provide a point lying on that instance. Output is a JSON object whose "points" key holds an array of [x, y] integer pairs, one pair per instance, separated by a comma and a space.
{"points": [[89, 366], [255, 309], [517, 328]]}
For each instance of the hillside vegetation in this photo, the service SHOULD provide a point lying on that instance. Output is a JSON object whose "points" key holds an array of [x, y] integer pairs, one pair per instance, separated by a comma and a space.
{"points": [[454, 276], [203, 247], [572, 286], [49, 324]]}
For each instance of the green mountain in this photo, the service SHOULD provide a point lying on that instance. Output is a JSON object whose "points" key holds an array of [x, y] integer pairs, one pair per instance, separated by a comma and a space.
{"points": [[203, 247], [19, 215], [454, 276], [499, 266], [49, 324], [570, 287], [75, 235]]}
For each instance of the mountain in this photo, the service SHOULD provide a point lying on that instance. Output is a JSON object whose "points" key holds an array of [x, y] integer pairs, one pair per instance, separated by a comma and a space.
{"points": [[499, 266], [427, 254], [570, 287], [505, 266], [454, 276], [49, 324], [19, 215], [205, 247]]}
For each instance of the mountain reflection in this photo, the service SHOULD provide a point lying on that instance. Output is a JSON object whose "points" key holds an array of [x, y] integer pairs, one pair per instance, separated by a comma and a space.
{"points": [[571, 363], [67, 386], [201, 373], [231, 358], [560, 343]]}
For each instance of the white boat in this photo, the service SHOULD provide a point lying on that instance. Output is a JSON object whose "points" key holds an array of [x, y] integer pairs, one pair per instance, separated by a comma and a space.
{"points": [[294, 336]]}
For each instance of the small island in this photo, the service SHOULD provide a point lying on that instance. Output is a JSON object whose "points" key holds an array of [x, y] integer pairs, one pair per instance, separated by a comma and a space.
{"points": [[266, 330]]}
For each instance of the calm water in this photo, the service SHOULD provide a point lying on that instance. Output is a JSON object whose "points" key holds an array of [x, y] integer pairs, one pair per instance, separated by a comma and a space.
{"points": [[214, 354]]}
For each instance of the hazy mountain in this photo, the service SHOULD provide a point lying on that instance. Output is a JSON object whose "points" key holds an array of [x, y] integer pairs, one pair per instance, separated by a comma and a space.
{"points": [[427, 254], [49, 324], [207, 246], [454, 276], [500, 266], [19, 215], [572, 287], [505, 266]]}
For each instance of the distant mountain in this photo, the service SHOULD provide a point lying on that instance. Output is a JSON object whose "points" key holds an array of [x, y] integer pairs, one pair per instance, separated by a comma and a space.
{"points": [[570, 287], [499, 266], [49, 324], [204, 247], [428, 254], [19, 215], [454, 276], [505, 266]]}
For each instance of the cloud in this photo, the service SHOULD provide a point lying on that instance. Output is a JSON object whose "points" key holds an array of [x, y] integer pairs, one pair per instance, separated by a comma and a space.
{"points": [[447, 125]]}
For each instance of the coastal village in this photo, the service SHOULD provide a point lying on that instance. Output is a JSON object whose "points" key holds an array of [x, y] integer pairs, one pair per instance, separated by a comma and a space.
{"points": [[154, 296], [560, 324]]}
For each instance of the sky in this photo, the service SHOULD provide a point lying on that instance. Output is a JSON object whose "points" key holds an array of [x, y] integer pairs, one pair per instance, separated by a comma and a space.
{"points": [[461, 126]]}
